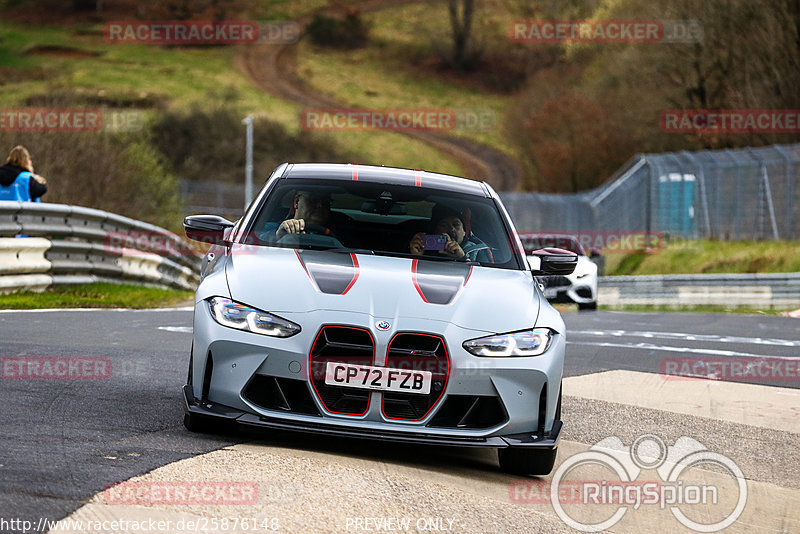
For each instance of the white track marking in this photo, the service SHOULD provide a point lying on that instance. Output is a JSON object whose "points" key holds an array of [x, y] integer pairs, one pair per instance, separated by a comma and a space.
{"points": [[710, 338], [180, 329], [749, 404], [668, 348]]}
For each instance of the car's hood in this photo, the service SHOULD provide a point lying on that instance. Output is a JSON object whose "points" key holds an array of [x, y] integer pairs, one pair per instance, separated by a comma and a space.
{"points": [[289, 281]]}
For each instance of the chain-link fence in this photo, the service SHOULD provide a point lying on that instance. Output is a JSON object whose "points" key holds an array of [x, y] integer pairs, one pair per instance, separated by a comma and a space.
{"points": [[749, 193]]}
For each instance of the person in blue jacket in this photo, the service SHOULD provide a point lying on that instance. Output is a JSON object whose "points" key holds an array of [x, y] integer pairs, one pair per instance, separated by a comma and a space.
{"points": [[461, 244], [17, 179]]}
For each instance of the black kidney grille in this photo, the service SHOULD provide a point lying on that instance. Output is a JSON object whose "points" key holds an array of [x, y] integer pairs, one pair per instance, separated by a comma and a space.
{"points": [[344, 344], [421, 352]]}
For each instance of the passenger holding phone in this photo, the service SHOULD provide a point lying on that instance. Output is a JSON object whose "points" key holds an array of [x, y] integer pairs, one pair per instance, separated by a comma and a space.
{"points": [[450, 237]]}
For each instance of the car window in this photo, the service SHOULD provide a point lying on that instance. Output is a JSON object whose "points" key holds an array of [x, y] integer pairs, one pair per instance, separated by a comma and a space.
{"points": [[379, 219]]}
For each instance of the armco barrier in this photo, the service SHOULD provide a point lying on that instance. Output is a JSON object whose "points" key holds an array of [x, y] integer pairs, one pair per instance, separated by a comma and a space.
{"points": [[768, 290], [72, 244]]}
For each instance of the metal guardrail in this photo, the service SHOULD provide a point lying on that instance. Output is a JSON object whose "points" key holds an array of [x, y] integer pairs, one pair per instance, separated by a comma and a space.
{"points": [[768, 290], [72, 244]]}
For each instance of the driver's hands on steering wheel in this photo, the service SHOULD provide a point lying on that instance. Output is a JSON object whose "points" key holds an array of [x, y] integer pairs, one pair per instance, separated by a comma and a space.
{"points": [[300, 226], [290, 226]]}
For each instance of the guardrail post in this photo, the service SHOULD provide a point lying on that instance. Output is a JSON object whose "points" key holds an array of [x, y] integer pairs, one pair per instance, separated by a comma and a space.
{"points": [[767, 193], [790, 204]]}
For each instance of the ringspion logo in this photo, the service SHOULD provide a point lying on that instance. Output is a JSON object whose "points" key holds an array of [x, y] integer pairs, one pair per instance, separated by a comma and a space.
{"points": [[702, 506]]}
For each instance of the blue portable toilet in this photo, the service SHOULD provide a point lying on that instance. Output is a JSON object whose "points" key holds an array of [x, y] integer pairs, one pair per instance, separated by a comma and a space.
{"points": [[676, 204]]}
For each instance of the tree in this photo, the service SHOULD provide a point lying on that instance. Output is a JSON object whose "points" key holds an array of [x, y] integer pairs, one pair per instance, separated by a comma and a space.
{"points": [[572, 144], [463, 55]]}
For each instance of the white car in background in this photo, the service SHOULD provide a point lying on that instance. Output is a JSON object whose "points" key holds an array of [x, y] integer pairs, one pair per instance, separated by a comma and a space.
{"points": [[580, 287]]}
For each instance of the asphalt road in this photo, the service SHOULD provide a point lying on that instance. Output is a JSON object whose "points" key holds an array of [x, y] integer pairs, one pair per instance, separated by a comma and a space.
{"points": [[63, 441]]}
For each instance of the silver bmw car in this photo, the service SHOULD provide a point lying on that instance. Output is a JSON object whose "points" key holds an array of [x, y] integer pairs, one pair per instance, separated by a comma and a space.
{"points": [[378, 303]]}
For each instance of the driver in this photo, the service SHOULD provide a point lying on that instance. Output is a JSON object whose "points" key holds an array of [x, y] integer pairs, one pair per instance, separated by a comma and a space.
{"points": [[307, 208], [461, 242]]}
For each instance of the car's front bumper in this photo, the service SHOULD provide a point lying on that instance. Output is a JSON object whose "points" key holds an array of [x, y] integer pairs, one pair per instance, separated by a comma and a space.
{"points": [[569, 289], [226, 414]]}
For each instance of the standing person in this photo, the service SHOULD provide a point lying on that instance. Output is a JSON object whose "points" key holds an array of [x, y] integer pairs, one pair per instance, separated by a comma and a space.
{"points": [[17, 179]]}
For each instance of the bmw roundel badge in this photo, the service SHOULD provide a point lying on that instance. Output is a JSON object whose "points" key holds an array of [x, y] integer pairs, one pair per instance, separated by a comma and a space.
{"points": [[383, 325]]}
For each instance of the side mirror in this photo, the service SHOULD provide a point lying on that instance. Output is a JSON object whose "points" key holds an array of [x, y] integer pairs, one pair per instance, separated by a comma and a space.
{"points": [[552, 261], [206, 228]]}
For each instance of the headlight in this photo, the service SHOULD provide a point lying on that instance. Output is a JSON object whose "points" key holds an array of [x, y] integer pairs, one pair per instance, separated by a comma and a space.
{"points": [[242, 317], [526, 343]]}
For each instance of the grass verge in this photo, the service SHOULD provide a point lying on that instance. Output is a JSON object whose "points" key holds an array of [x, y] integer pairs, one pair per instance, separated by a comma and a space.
{"points": [[97, 295], [705, 256], [383, 75], [153, 78]]}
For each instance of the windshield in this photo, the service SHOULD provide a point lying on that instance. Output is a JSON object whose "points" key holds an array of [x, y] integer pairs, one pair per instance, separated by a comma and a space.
{"points": [[381, 219]]}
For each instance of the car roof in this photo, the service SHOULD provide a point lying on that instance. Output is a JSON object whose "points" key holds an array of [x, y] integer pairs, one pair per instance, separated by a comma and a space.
{"points": [[384, 175]]}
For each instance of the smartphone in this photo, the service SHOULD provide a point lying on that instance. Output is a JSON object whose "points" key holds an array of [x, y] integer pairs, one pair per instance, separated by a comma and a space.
{"points": [[435, 241]]}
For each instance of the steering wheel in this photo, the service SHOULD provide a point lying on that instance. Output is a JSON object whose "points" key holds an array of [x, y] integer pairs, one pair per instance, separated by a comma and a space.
{"points": [[313, 234], [317, 229]]}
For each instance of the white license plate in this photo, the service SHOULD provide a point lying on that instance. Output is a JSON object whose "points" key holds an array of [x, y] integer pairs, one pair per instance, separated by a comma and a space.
{"points": [[378, 378], [550, 292]]}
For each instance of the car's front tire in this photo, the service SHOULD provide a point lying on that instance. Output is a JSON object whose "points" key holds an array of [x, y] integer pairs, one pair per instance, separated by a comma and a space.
{"points": [[520, 461], [588, 306]]}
